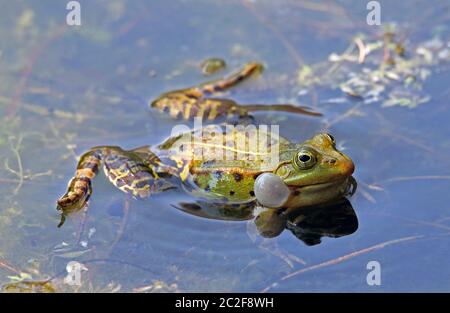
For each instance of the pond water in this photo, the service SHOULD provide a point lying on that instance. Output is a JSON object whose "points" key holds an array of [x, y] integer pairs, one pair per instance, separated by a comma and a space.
{"points": [[68, 88]]}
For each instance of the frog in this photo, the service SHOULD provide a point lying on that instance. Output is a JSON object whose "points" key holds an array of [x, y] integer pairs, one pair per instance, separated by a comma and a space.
{"points": [[313, 172], [218, 164]]}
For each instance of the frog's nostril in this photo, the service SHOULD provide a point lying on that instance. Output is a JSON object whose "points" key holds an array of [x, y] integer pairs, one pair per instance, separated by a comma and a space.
{"points": [[330, 161]]}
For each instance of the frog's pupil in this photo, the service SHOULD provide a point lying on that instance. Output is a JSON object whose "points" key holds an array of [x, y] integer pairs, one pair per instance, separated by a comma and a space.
{"points": [[304, 158]]}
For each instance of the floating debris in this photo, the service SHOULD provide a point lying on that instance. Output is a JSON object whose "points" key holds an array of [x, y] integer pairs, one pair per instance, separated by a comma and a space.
{"points": [[157, 286], [212, 66], [29, 287], [386, 70]]}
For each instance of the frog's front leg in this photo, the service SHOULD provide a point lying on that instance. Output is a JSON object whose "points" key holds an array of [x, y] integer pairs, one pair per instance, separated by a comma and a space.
{"points": [[129, 171]]}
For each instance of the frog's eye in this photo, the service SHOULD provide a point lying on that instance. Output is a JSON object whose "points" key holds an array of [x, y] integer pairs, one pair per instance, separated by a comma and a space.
{"points": [[333, 141], [304, 160]]}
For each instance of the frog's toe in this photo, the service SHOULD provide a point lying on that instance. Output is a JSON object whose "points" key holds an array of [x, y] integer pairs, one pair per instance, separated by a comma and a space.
{"points": [[352, 186], [78, 193], [72, 202], [62, 220]]}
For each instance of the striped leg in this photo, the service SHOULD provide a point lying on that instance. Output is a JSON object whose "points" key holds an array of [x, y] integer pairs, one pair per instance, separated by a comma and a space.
{"points": [[197, 102], [223, 84], [191, 102], [133, 172], [79, 189], [182, 106]]}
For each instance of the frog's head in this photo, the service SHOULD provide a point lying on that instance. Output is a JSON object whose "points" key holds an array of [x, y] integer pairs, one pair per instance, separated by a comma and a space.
{"points": [[315, 171]]}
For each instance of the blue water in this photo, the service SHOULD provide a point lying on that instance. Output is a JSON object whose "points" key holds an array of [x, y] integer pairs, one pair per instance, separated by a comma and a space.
{"points": [[126, 54]]}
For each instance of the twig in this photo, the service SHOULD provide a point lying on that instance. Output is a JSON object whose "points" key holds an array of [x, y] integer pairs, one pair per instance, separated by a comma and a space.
{"points": [[335, 66], [343, 258], [416, 221], [414, 142], [8, 267], [8, 180], [15, 149], [13, 181], [57, 134], [352, 111], [408, 178], [397, 135], [362, 50]]}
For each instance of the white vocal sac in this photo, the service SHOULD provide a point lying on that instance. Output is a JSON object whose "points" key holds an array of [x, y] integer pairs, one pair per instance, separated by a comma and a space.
{"points": [[270, 190]]}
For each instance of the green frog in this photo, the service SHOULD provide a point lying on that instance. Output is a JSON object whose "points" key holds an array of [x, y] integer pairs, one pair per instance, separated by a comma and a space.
{"points": [[315, 171], [219, 163]]}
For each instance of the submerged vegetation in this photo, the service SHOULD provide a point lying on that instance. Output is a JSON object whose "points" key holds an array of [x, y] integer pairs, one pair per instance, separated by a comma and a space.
{"points": [[387, 69]]}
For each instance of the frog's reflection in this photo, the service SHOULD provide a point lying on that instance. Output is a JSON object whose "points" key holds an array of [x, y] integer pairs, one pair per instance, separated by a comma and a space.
{"points": [[332, 220], [308, 224]]}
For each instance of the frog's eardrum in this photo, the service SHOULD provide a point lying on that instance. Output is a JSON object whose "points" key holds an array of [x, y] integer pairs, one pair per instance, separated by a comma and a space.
{"points": [[270, 190]]}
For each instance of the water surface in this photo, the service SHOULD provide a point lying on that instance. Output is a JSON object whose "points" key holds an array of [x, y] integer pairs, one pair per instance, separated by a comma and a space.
{"points": [[65, 89]]}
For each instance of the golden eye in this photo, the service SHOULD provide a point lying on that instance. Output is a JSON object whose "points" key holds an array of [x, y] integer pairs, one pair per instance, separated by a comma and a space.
{"points": [[333, 141], [304, 160]]}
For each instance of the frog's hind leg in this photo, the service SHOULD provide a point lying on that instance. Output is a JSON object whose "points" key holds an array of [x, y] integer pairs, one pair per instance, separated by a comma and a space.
{"points": [[287, 108], [135, 172], [127, 170], [218, 107], [249, 70], [191, 102], [212, 108]]}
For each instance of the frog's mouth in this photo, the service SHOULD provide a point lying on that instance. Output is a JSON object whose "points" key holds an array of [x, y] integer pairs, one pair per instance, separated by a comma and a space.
{"points": [[348, 182]]}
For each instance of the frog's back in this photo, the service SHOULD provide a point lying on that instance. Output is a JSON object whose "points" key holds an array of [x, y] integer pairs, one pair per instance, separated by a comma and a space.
{"points": [[223, 162], [217, 146]]}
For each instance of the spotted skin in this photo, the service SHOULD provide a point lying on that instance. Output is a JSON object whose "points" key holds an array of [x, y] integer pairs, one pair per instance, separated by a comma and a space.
{"points": [[129, 174], [178, 163], [221, 85], [133, 172], [228, 180], [192, 102], [144, 171], [80, 186]]}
